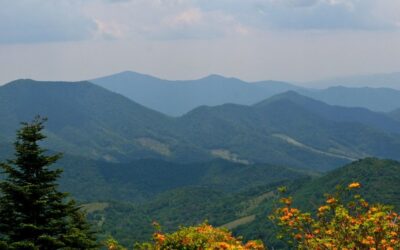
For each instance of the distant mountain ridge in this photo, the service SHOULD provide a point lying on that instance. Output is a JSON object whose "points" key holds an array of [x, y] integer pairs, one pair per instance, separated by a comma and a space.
{"points": [[287, 129], [383, 80], [178, 97]]}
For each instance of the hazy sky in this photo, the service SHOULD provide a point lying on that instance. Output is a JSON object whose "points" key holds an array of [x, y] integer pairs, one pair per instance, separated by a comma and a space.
{"points": [[297, 40]]}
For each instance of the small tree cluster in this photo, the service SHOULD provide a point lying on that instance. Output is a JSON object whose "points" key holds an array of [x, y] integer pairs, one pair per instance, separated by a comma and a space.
{"points": [[340, 224]]}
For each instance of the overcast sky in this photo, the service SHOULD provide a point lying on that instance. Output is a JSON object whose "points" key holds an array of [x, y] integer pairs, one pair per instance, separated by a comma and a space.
{"points": [[295, 40]]}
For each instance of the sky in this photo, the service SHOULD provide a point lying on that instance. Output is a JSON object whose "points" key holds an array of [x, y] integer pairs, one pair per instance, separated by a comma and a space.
{"points": [[292, 40]]}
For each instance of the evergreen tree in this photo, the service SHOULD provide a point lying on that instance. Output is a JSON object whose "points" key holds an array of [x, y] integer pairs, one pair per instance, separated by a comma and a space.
{"points": [[33, 213]]}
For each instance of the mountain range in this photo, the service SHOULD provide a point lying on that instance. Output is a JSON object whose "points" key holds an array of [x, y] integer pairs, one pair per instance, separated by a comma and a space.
{"points": [[131, 165], [386, 80], [175, 98], [286, 129]]}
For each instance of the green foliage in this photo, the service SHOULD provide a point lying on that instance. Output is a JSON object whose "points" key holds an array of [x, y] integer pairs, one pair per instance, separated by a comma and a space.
{"points": [[131, 223], [203, 236], [33, 213], [344, 221], [141, 180], [380, 179]]}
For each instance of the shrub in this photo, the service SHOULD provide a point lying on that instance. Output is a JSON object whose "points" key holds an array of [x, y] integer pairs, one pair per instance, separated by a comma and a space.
{"points": [[203, 236], [345, 221]]}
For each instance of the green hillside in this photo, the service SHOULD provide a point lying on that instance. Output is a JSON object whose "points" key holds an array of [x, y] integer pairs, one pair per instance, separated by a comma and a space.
{"points": [[292, 130], [246, 212], [141, 180], [87, 120], [380, 180], [282, 130]]}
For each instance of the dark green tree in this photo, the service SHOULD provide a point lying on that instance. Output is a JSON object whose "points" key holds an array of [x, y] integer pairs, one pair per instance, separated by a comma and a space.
{"points": [[33, 213]]}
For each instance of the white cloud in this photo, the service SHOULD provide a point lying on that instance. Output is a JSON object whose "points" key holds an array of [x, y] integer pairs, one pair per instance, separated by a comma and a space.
{"points": [[33, 21], [65, 20], [187, 17]]}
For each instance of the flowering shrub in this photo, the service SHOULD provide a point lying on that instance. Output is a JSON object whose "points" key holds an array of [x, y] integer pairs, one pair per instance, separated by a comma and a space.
{"points": [[340, 224], [203, 237]]}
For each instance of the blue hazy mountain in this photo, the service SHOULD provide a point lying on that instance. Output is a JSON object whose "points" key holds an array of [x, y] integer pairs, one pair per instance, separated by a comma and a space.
{"points": [[178, 97], [384, 80], [395, 114], [376, 99]]}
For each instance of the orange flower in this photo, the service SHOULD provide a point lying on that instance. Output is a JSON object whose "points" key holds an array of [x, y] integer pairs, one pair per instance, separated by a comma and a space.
{"points": [[286, 201], [331, 201], [354, 185], [298, 236], [159, 237], [224, 245], [323, 209]]}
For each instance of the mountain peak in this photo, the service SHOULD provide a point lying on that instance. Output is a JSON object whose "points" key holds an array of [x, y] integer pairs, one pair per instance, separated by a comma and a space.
{"points": [[31, 82], [288, 96], [216, 77], [127, 76]]}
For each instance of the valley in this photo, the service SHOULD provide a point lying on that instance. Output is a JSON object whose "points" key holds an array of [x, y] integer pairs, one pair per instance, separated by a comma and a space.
{"points": [[221, 164]]}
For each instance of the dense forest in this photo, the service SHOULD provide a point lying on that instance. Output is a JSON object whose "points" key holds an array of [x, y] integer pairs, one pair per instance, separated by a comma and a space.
{"points": [[213, 169]]}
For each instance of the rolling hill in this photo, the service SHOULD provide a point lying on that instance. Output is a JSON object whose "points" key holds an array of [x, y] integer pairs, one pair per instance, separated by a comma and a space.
{"points": [[87, 120], [376, 99], [292, 130], [176, 98], [246, 212], [140, 180]]}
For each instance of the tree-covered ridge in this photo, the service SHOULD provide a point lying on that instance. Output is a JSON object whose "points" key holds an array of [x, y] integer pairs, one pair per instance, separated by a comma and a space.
{"points": [[345, 220], [141, 180], [245, 212], [89, 121], [380, 180]]}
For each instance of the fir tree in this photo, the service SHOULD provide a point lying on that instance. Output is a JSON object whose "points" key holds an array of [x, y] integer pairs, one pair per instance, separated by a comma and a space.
{"points": [[33, 213]]}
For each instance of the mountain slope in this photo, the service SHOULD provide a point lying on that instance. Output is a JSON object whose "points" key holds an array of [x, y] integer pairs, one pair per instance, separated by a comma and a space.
{"points": [[338, 113], [379, 179], [288, 129], [292, 130], [178, 97], [246, 212], [376, 99], [88, 120]]}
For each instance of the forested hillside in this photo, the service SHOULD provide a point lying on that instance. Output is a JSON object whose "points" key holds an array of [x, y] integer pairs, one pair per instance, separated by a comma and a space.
{"points": [[246, 212], [129, 165]]}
